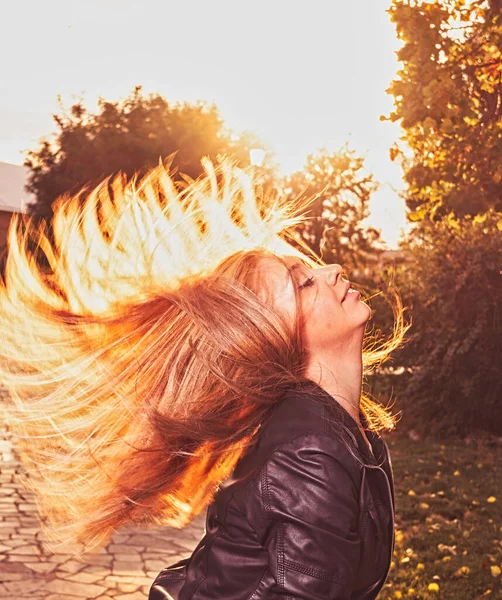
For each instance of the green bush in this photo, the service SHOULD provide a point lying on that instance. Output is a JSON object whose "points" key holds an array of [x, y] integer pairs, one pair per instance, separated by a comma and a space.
{"points": [[452, 284]]}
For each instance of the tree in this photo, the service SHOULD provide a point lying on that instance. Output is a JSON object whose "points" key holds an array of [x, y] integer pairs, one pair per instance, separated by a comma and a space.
{"points": [[448, 98], [129, 136], [342, 191], [454, 287]]}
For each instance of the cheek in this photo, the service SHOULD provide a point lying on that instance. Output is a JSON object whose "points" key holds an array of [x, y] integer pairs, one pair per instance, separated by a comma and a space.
{"points": [[317, 324], [323, 321]]}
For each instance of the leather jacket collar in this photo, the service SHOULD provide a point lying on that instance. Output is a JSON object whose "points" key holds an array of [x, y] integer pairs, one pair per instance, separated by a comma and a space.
{"points": [[351, 428]]}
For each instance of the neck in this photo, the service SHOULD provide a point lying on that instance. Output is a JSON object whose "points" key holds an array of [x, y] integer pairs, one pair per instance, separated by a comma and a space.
{"points": [[340, 374]]}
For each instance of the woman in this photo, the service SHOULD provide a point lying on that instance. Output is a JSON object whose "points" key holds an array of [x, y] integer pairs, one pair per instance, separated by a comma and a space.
{"points": [[169, 348]]}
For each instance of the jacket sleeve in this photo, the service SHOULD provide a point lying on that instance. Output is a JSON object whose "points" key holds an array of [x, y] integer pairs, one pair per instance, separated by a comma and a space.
{"points": [[309, 493]]}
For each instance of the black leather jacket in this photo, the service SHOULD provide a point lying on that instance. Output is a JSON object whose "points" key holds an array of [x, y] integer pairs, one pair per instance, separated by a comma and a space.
{"points": [[308, 514]]}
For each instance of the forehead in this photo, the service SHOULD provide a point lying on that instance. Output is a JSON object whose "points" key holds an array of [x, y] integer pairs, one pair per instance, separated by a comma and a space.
{"points": [[275, 274]]}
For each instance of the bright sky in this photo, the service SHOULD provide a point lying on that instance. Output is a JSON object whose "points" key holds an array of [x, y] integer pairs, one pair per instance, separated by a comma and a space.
{"points": [[301, 75]]}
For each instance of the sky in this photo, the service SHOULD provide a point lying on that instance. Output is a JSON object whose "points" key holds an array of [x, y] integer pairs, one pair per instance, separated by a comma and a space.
{"points": [[301, 75]]}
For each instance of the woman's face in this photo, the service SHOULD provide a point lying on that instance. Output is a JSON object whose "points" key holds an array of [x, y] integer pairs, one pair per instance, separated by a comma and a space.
{"points": [[331, 316]]}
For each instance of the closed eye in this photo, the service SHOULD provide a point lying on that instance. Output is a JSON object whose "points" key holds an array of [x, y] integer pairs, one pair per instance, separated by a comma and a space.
{"points": [[307, 283]]}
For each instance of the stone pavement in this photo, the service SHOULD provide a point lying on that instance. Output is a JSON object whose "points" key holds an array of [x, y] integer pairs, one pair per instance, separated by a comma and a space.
{"points": [[124, 570]]}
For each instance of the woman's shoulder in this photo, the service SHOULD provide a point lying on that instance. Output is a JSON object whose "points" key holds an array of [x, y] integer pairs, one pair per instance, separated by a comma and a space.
{"points": [[297, 424]]}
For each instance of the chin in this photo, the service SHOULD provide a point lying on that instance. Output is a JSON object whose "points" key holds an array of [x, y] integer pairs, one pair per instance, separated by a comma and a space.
{"points": [[366, 312]]}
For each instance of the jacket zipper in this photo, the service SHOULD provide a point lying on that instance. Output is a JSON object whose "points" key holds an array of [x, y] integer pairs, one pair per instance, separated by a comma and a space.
{"points": [[381, 581]]}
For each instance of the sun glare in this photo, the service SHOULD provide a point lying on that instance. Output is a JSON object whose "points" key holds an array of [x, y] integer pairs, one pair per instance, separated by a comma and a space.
{"points": [[299, 79]]}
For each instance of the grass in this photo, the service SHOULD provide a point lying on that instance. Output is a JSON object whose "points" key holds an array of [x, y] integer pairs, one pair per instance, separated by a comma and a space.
{"points": [[448, 521]]}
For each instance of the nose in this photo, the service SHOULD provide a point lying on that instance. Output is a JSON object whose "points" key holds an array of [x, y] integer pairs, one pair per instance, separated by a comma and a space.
{"points": [[333, 273]]}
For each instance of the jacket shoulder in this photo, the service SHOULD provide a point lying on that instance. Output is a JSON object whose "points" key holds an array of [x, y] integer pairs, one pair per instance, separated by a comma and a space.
{"points": [[297, 422]]}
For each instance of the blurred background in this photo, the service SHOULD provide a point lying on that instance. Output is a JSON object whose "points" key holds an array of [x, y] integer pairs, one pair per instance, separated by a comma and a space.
{"points": [[390, 113]]}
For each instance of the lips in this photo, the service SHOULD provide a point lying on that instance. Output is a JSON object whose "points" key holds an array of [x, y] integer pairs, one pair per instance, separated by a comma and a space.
{"points": [[346, 291]]}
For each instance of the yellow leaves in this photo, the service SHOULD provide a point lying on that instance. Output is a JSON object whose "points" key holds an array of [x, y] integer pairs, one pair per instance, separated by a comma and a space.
{"points": [[420, 566], [417, 215], [462, 571], [411, 493], [445, 548], [480, 218], [398, 594], [433, 587], [424, 505], [495, 570], [456, 473], [471, 121], [491, 499], [404, 560], [499, 224], [446, 558]]}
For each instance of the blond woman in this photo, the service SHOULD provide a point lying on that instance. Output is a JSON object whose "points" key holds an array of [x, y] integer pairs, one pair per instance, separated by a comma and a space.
{"points": [[170, 349]]}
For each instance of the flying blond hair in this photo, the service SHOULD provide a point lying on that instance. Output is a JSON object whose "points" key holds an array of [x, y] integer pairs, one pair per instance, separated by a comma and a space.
{"points": [[139, 359]]}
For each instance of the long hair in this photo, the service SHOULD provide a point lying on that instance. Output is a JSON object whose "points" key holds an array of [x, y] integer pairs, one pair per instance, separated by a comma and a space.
{"points": [[139, 358]]}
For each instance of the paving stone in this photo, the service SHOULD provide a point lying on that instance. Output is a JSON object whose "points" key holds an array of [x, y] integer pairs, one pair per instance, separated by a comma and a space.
{"points": [[122, 549], [59, 558], [120, 538], [42, 567], [32, 550], [127, 587], [128, 579], [134, 596], [84, 590], [60, 597], [7, 500], [161, 555], [100, 560], [155, 565], [24, 587], [188, 545], [72, 566], [97, 569], [83, 577], [12, 576], [22, 558], [28, 506], [6, 533], [127, 568], [127, 558], [28, 530], [10, 522], [14, 543]]}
